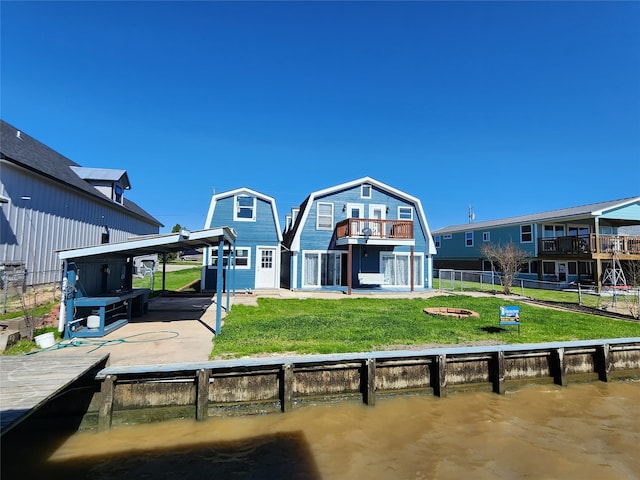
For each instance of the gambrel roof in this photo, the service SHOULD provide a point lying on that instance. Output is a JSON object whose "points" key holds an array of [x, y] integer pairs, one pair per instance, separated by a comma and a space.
{"points": [[292, 238], [564, 214], [244, 191], [20, 149]]}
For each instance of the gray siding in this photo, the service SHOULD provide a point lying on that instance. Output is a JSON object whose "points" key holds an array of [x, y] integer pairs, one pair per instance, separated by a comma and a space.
{"points": [[55, 217]]}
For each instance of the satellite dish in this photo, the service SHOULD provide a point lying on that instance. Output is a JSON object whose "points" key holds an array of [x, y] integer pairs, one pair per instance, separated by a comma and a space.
{"points": [[366, 231]]}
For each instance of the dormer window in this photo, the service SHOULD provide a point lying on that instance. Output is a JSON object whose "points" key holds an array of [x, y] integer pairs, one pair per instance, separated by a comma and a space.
{"points": [[117, 192], [108, 181], [244, 208]]}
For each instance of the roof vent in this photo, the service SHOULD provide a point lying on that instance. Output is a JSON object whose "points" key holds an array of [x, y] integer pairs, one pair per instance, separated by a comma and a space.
{"points": [[18, 133]]}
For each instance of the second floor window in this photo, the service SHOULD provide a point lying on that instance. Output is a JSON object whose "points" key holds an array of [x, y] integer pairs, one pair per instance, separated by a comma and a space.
{"points": [[405, 213], [468, 239], [245, 208], [526, 233], [325, 216]]}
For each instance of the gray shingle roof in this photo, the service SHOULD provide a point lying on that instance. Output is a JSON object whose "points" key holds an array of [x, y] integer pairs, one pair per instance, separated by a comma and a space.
{"points": [[21, 149], [571, 213]]}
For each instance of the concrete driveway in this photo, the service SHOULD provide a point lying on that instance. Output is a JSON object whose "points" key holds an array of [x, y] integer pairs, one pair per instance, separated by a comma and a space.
{"points": [[176, 329]]}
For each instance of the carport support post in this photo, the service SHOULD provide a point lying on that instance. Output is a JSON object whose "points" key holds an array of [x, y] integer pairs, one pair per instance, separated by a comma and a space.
{"points": [[219, 284], [232, 268], [349, 267], [164, 271]]}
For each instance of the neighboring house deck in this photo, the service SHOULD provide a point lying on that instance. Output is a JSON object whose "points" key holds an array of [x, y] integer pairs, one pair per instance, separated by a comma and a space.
{"points": [[359, 234], [570, 245]]}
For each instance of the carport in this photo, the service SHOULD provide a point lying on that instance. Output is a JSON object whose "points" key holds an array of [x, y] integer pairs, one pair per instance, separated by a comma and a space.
{"points": [[97, 292]]}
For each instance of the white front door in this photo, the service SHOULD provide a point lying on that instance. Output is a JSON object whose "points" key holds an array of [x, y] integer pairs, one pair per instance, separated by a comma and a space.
{"points": [[377, 212], [266, 267], [562, 272]]}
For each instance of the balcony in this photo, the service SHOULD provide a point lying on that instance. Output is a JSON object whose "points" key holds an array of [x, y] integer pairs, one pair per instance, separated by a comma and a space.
{"points": [[590, 246], [354, 230]]}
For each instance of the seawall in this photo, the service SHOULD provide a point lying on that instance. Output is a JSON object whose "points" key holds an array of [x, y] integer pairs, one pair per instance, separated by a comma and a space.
{"points": [[260, 385]]}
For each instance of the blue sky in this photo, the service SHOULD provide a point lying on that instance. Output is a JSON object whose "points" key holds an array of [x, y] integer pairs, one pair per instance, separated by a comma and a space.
{"points": [[511, 107]]}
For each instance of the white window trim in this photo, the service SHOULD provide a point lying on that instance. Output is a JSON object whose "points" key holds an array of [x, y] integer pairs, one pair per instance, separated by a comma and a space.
{"points": [[437, 240], [486, 236], [447, 236], [378, 206], [555, 227], [526, 241], [213, 252], [357, 206], [319, 275], [401, 207], [418, 281], [473, 239], [236, 207], [362, 187], [318, 227]]}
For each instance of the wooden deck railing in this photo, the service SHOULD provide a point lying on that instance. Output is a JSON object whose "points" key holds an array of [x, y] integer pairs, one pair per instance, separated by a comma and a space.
{"points": [[615, 243], [373, 228], [589, 244]]}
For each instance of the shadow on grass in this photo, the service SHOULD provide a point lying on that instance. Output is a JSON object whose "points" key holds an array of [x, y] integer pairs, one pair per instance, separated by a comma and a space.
{"points": [[493, 329]]}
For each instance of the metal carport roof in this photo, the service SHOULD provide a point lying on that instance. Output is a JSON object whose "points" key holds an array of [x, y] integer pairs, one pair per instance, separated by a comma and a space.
{"points": [[152, 244], [160, 244]]}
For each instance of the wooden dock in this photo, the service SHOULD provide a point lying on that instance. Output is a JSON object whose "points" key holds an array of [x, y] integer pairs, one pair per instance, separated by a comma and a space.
{"points": [[27, 382]]}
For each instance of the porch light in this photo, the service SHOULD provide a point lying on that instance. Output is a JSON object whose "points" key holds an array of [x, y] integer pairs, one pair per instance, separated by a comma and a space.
{"points": [[387, 209], [344, 207]]}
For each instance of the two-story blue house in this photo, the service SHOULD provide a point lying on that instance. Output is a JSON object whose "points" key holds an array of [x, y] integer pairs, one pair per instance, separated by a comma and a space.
{"points": [[254, 217], [360, 234], [575, 244]]}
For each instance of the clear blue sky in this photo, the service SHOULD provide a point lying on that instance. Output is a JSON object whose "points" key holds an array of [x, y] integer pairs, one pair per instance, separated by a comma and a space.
{"points": [[511, 107]]}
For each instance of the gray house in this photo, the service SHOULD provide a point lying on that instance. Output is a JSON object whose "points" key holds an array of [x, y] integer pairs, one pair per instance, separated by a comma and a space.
{"points": [[51, 203]]}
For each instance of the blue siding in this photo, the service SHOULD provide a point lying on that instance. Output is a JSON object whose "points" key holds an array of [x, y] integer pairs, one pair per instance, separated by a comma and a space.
{"points": [[630, 212], [456, 246], [321, 240], [250, 234]]}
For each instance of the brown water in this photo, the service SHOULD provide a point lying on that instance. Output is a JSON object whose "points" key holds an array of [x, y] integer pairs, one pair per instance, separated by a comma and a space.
{"points": [[583, 431]]}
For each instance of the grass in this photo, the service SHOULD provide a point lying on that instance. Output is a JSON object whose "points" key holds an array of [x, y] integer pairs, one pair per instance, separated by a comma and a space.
{"points": [[364, 324], [25, 345], [173, 280], [560, 296], [39, 311]]}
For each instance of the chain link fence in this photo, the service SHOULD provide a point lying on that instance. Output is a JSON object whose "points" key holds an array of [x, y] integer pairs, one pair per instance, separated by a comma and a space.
{"points": [[620, 300], [23, 292]]}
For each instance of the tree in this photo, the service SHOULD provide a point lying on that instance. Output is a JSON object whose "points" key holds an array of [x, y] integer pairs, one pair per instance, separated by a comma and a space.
{"points": [[506, 259], [172, 257]]}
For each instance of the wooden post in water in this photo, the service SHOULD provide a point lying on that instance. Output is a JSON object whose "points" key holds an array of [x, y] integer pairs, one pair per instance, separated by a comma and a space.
{"points": [[498, 373], [105, 414], [560, 375], [369, 381], [604, 360], [202, 394], [286, 388], [440, 382]]}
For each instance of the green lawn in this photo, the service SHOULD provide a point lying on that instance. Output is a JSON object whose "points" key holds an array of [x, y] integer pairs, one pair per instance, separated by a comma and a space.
{"points": [[364, 324], [173, 280]]}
